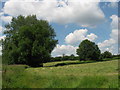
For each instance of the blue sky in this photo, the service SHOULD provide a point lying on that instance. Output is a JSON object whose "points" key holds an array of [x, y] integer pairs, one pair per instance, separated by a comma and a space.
{"points": [[103, 30], [72, 23]]}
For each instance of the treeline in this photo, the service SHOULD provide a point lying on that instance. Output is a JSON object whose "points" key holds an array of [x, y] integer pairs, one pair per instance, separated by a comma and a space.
{"points": [[64, 58], [104, 56]]}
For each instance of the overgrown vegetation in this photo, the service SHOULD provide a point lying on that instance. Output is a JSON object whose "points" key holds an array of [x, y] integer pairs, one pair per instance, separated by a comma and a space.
{"points": [[86, 75]]}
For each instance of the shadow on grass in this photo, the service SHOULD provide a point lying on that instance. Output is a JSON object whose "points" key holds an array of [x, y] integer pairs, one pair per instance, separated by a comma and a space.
{"points": [[71, 63]]}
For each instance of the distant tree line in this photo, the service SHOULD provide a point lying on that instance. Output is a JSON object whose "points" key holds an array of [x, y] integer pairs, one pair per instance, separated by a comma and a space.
{"points": [[104, 56], [64, 58]]}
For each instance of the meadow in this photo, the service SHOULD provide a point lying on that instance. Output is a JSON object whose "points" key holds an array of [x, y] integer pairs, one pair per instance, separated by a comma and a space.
{"points": [[0, 72], [63, 74]]}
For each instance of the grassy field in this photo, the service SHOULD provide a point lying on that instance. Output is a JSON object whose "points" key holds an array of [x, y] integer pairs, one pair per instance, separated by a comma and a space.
{"points": [[64, 74], [0, 72]]}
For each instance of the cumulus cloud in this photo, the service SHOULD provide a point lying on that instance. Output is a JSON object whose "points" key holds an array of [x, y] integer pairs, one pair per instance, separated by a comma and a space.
{"points": [[114, 23], [6, 19], [107, 43], [112, 43], [78, 35], [85, 13], [64, 49], [91, 37]]}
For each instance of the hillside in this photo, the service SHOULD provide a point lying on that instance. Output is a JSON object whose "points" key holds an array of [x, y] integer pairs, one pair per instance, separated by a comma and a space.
{"points": [[71, 75]]}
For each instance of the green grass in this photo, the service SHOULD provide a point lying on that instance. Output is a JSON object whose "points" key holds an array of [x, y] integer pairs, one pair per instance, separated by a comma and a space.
{"points": [[73, 74], [0, 72]]}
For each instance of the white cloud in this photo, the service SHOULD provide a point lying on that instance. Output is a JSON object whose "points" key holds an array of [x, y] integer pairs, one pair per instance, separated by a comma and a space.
{"points": [[112, 43], [78, 35], [107, 43], [1, 13], [114, 22], [6, 19], [85, 13], [64, 49], [114, 34], [91, 37], [113, 39]]}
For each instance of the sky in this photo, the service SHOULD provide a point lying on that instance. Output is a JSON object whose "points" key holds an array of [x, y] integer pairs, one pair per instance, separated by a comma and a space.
{"points": [[72, 20]]}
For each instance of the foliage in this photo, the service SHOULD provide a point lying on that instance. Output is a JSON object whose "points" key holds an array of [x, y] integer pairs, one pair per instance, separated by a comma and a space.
{"points": [[88, 50], [106, 54], [65, 58], [116, 56], [28, 41]]}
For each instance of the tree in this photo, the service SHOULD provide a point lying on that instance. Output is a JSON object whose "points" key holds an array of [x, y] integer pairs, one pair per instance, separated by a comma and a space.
{"points": [[106, 54], [28, 41], [88, 50], [72, 57]]}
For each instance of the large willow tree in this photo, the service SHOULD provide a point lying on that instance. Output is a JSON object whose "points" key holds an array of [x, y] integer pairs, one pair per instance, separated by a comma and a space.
{"points": [[28, 41]]}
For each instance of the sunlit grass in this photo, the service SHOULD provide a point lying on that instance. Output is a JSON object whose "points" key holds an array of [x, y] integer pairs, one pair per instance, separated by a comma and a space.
{"points": [[84, 75], [0, 72]]}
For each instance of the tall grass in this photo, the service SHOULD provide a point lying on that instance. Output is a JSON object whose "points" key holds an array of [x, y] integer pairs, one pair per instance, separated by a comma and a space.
{"points": [[0, 72], [89, 75]]}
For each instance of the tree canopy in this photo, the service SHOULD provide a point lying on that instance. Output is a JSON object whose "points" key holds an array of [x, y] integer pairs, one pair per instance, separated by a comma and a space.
{"points": [[106, 54], [88, 50], [28, 41]]}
